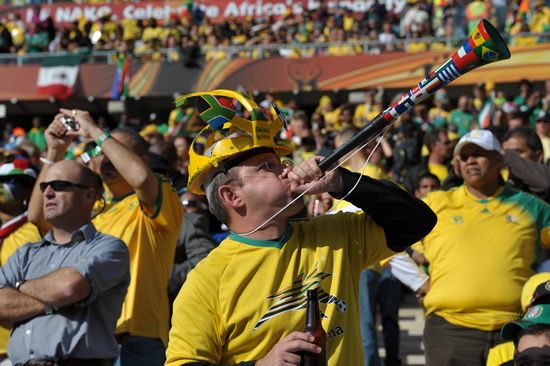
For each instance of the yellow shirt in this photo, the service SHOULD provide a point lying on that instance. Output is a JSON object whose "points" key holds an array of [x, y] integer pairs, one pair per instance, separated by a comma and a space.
{"points": [[27, 233], [339, 50], [545, 146], [365, 113], [440, 170], [417, 47], [247, 294], [151, 240], [150, 33], [480, 254], [500, 354], [540, 21], [130, 29]]}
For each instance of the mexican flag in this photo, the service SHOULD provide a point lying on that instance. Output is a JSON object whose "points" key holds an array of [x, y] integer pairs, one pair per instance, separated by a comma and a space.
{"points": [[485, 117], [57, 76]]}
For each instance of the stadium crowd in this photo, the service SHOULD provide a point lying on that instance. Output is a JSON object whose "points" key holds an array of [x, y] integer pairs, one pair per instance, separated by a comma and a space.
{"points": [[191, 35], [416, 153]]}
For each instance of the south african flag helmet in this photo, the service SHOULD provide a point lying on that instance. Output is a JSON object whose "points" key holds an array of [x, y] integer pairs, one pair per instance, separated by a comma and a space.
{"points": [[226, 134]]}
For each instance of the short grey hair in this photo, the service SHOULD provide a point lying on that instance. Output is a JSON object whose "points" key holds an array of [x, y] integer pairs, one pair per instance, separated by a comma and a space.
{"points": [[214, 202]]}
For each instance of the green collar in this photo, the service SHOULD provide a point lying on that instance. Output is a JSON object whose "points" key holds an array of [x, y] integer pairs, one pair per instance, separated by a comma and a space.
{"points": [[263, 243], [120, 198]]}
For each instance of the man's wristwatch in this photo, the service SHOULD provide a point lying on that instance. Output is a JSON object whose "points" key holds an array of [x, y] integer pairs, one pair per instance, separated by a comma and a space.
{"points": [[48, 309]]}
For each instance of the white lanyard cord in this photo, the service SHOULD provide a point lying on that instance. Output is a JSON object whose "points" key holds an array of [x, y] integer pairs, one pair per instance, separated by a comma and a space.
{"points": [[382, 132]]}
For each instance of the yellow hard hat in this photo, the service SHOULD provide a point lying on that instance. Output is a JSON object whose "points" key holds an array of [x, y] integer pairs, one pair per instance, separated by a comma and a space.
{"points": [[226, 135], [150, 129]]}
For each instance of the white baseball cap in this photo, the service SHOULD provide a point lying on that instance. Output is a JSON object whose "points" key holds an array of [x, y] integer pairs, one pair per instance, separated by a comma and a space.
{"points": [[482, 138]]}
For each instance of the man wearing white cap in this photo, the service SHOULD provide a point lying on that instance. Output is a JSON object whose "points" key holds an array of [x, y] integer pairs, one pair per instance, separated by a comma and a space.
{"points": [[480, 254]]}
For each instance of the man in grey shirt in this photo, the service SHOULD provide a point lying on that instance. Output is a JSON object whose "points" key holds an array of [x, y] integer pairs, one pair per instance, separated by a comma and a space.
{"points": [[63, 294]]}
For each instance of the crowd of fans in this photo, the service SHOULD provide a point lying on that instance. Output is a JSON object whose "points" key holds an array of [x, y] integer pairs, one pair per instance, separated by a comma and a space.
{"points": [[404, 145], [416, 152], [191, 35]]}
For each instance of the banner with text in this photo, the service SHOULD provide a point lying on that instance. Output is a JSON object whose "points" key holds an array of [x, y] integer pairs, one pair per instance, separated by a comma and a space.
{"points": [[215, 10]]}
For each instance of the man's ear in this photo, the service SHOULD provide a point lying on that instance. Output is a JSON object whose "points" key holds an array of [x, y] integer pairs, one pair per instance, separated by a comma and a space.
{"points": [[539, 156], [230, 196]]}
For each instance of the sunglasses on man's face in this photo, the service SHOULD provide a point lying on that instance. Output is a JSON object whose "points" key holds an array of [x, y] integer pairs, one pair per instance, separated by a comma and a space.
{"points": [[61, 185]]}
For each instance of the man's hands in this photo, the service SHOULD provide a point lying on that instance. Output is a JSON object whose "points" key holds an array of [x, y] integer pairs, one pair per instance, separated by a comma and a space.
{"points": [[88, 129], [57, 138], [308, 175], [286, 351], [422, 292]]}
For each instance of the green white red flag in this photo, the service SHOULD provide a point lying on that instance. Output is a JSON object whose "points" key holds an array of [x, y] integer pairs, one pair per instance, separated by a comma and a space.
{"points": [[57, 76]]}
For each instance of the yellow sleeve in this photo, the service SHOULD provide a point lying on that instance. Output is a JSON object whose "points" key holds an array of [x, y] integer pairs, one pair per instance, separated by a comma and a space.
{"points": [[28, 233], [169, 211], [197, 334], [544, 223], [376, 249], [500, 354], [545, 237]]}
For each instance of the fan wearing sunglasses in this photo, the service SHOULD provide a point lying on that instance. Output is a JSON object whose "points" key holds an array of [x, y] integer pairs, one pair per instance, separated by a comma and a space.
{"points": [[73, 280], [144, 212]]}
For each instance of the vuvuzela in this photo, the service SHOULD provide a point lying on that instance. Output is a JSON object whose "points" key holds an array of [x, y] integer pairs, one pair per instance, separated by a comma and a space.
{"points": [[485, 45]]}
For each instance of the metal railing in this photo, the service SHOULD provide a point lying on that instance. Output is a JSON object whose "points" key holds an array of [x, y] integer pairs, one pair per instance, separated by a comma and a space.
{"points": [[270, 50]]}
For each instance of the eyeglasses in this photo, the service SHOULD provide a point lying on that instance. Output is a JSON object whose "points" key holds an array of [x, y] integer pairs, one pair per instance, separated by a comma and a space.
{"points": [[273, 165], [61, 185]]}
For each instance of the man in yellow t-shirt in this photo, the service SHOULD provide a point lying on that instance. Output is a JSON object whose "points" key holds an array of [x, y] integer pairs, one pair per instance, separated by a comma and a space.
{"points": [[16, 181], [245, 302], [480, 255], [145, 213]]}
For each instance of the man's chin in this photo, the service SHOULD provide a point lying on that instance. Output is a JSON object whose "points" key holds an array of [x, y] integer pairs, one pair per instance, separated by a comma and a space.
{"points": [[296, 207]]}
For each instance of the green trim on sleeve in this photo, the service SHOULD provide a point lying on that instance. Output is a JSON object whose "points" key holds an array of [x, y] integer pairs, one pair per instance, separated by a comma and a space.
{"points": [[159, 199], [537, 208], [263, 243]]}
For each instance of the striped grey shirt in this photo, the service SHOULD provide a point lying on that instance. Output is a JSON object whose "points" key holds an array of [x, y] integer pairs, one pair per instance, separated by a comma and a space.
{"points": [[82, 330]]}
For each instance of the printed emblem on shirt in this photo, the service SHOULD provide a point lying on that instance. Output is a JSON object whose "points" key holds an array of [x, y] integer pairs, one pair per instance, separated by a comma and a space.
{"points": [[458, 220], [485, 211], [293, 297], [512, 219], [132, 205]]}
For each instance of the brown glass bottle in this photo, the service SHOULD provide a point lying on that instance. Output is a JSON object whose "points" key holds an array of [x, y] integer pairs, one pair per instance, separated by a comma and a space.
{"points": [[315, 328]]}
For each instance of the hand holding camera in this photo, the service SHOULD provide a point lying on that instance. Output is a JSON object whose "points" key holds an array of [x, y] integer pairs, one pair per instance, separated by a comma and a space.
{"points": [[70, 123]]}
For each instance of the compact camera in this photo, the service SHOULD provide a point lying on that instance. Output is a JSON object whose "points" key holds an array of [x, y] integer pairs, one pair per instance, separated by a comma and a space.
{"points": [[70, 123]]}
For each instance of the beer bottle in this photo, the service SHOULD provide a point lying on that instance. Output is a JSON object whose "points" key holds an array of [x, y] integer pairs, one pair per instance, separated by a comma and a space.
{"points": [[314, 328]]}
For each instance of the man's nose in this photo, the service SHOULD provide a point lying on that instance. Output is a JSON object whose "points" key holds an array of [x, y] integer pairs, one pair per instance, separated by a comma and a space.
{"points": [[470, 159], [49, 192]]}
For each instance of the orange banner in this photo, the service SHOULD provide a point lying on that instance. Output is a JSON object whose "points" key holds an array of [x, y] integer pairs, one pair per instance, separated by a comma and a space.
{"points": [[390, 70]]}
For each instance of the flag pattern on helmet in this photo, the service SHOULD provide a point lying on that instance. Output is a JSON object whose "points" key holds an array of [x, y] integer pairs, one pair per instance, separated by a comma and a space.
{"points": [[17, 167], [215, 111]]}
